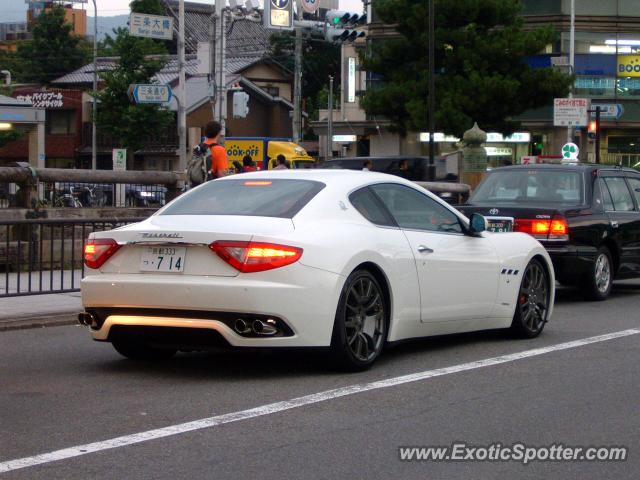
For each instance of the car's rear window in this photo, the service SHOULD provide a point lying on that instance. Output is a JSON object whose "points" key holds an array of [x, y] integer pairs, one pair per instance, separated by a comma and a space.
{"points": [[261, 197], [530, 186]]}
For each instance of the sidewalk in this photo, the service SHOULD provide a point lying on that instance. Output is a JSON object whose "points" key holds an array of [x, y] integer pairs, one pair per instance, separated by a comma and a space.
{"points": [[39, 310]]}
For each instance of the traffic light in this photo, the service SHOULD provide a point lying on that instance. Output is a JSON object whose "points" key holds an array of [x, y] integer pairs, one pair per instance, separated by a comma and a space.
{"points": [[537, 145], [592, 129], [342, 26], [240, 104]]}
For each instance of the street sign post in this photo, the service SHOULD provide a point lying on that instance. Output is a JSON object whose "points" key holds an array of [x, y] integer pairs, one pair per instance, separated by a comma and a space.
{"points": [[278, 14], [119, 158], [609, 110], [150, 93], [151, 26], [570, 112]]}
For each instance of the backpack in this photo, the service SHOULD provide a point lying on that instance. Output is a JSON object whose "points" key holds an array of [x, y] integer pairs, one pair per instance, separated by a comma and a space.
{"points": [[199, 165]]}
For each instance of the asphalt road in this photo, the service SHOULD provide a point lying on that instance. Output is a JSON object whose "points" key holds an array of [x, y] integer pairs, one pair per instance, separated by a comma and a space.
{"points": [[59, 389]]}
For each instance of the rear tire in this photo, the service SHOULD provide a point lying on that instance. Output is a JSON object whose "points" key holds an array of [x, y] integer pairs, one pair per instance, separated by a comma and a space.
{"points": [[361, 323], [532, 303], [140, 351], [598, 285]]}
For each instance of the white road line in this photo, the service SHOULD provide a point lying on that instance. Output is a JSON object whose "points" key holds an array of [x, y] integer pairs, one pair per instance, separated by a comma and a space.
{"points": [[125, 440]]}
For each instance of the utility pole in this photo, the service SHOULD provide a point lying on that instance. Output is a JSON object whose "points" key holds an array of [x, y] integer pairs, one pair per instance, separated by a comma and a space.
{"points": [[212, 63], [219, 65], [572, 41], [330, 121], [182, 103], [432, 84], [94, 133], [297, 80]]}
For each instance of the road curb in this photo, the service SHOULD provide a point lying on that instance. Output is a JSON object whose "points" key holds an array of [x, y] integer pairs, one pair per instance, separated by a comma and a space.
{"points": [[39, 321]]}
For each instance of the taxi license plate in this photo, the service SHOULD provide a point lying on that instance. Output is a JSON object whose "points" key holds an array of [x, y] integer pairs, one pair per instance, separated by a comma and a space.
{"points": [[500, 226], [163, 259]]}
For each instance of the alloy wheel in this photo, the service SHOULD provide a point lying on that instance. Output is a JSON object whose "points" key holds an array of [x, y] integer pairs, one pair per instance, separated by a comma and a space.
{"points": [[602, 273], [533, 299], [364, 319]]}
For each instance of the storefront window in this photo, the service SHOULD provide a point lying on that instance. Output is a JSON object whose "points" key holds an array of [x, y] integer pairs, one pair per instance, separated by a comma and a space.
{"points": [[628, 87], [595, 87], [629, 144]]}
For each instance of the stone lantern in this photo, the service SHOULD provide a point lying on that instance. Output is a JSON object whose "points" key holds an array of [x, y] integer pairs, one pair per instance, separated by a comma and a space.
{"points": [[474, 156]]}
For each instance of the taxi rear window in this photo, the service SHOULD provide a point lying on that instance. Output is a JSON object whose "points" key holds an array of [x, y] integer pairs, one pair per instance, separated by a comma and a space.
{"points": [[531, 186], [260, 197]]}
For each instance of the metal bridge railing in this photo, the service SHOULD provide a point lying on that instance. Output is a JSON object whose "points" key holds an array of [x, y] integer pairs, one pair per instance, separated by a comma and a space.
{"points": [[46, 256]]}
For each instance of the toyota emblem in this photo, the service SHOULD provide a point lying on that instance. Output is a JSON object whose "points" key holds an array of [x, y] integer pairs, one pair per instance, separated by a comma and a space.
{"points": [[494, 211]]}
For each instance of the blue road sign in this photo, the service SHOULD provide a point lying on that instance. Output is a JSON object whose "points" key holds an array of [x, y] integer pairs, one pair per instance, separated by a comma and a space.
{"points": [[152, 93]]}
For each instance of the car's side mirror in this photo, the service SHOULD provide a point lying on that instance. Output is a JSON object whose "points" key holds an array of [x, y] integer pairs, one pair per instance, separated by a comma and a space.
{"points": [[477, 223]]}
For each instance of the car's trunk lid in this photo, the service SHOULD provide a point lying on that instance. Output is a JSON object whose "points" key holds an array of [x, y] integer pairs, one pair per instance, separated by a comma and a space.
{"points": [[184, 240]]}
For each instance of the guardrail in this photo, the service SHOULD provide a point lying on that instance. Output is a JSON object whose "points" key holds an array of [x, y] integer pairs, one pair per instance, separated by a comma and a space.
{"points": [[25, 187], [46, 256]]}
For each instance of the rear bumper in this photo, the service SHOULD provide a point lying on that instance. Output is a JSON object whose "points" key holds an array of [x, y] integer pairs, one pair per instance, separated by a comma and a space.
{"points": [[571, 263], [302, 297]]}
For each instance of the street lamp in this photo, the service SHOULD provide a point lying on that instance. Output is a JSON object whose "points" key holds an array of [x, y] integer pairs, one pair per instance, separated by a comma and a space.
{"points": [[94, 161]]}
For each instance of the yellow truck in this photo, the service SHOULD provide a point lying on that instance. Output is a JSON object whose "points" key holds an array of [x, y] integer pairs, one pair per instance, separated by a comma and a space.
{"points": [[264, 151]]}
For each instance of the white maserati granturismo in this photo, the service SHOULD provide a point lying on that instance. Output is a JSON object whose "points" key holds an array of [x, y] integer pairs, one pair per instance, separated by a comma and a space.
{"points": [[347, 260]]}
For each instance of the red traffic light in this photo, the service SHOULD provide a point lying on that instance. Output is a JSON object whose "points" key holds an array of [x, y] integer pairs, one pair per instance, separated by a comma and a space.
{"points": [[593, 126]]}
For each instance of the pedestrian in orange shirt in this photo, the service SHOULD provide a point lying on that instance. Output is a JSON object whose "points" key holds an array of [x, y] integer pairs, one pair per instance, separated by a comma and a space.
{"points": [[219, 161]]}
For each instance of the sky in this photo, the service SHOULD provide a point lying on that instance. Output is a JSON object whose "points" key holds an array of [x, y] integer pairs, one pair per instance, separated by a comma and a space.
{"points": [[13, 10]]}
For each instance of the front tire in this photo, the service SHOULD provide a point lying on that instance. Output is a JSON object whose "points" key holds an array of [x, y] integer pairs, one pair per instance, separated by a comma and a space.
{"points": [[532, 304], [135, 350], [598, 285], [361, 323]]}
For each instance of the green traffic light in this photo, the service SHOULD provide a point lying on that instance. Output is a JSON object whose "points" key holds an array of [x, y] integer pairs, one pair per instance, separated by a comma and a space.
{"points": [[336, 21]]}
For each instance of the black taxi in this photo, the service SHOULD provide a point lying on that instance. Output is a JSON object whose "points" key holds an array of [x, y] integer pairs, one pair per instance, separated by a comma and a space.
{"points": [[587, 216]]}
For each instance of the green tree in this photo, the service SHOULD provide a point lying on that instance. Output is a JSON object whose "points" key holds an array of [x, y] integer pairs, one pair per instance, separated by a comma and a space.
{"points": [[152, 7], [130, 124], [54, 51], [319, 60], [481, 74]]}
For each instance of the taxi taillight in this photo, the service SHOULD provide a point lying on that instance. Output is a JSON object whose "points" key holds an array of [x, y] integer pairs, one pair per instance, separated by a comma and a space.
{"points": [[555, 228]]}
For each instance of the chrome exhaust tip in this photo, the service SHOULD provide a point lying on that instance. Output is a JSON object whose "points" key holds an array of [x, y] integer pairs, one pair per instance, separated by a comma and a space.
{"points": [[264, 328], [242, 327], [87, 319]]}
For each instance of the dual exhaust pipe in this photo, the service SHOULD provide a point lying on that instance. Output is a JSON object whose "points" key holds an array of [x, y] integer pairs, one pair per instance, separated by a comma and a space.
{"points": [[257, 327], [87, 319]]}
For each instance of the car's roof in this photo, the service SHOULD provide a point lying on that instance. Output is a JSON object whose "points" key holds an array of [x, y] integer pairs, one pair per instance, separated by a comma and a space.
{"points": [[564, 166]]}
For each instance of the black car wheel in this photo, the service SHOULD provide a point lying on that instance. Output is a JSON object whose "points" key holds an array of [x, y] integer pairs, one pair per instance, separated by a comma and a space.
{"points": [[136, 350], [598, 285], [360, 328], [532, 308]]}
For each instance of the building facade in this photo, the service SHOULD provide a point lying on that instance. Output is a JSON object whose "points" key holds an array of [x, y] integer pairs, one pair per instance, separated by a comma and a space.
{"points": [[607, 69]]}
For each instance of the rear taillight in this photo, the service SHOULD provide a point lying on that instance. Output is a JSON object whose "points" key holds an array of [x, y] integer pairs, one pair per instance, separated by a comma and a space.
{"points": [[249, 257], [99, 250], [544, 229]]}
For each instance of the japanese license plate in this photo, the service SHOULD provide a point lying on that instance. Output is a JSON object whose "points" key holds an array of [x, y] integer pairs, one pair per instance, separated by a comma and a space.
{"points": [[163, 259], [500, 225]]}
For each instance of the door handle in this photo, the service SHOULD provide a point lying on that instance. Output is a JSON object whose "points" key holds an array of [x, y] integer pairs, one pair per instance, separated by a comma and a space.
{"points": [[423, 249], [614, 224]]}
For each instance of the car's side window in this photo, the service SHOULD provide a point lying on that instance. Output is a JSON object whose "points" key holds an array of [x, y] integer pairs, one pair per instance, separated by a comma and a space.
{"points": [[606, 196], [634, 183], [371, 208], [622, 201], [416, 211]]}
